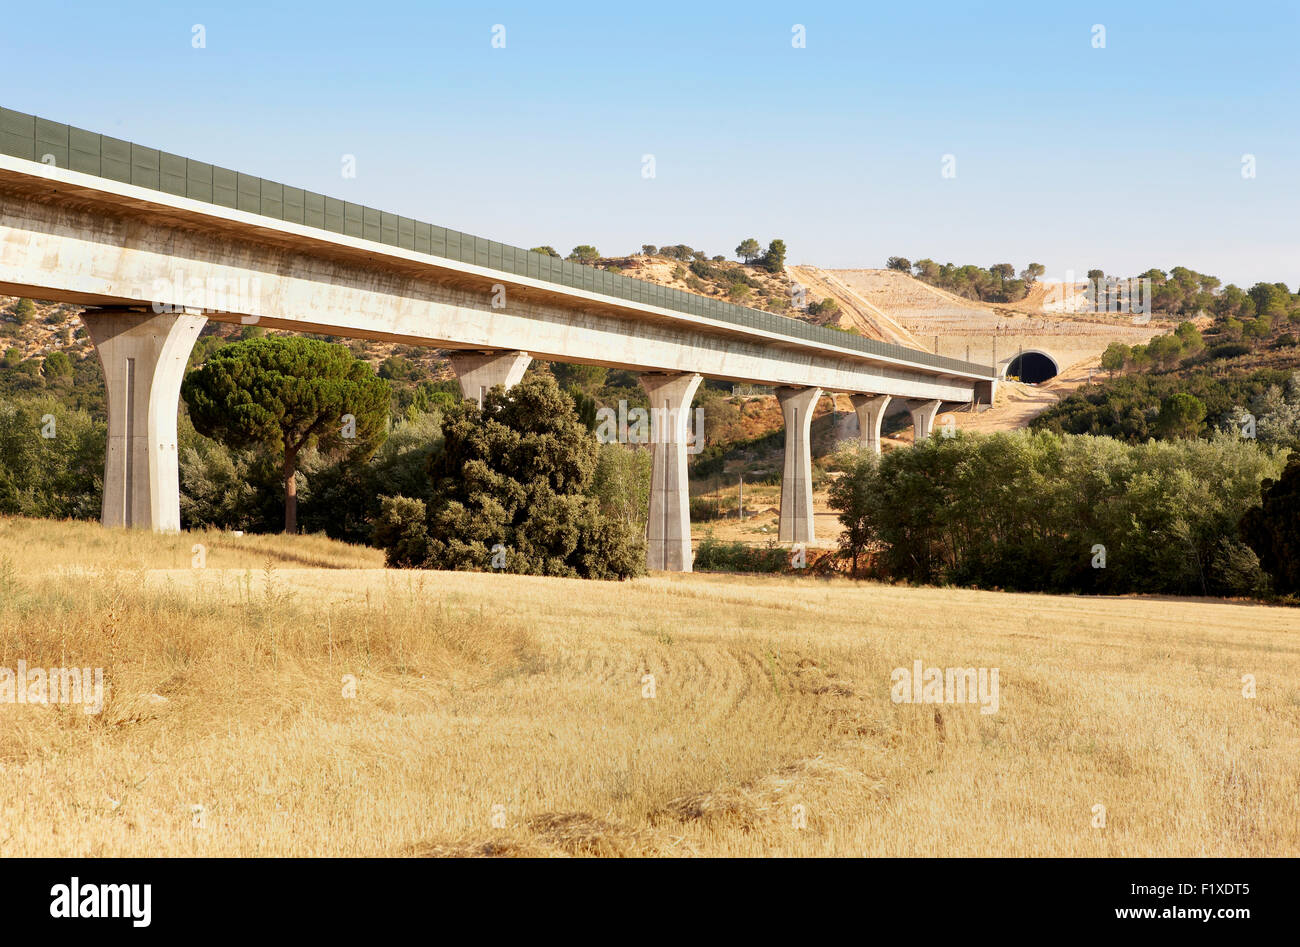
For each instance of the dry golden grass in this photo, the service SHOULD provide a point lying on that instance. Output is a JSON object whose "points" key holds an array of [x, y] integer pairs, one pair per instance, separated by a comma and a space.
{"points": [[488, 698]]}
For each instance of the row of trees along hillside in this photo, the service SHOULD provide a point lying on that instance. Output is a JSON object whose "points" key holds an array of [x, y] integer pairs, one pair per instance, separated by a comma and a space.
{"points": [[1234, 368], [755, 278], [997, 283], [1044, 512]]}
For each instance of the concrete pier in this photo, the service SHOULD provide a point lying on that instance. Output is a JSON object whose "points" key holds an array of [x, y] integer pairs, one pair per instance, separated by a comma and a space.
{"points": [[479, 372], [668, 532], [143, 355], [923, 414], [797, 406], [871, 412]]}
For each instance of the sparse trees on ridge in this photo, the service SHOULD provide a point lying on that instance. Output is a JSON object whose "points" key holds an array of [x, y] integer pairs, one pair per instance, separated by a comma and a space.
{"points": [[749, 250]]}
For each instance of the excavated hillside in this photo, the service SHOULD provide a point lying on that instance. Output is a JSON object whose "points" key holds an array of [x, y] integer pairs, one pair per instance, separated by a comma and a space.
{"points": [[992, 332]]}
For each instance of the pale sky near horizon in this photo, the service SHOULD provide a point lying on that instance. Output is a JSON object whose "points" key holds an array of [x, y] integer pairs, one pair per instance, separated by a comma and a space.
{"points": [[1123, 157]]}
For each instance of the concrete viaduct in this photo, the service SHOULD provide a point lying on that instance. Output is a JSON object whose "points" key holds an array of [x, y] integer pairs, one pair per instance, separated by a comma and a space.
{"points": [[154, 245]]}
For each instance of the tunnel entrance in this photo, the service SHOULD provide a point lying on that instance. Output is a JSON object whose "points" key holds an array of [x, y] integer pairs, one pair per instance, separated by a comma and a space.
{"points": [[1032, 367]]}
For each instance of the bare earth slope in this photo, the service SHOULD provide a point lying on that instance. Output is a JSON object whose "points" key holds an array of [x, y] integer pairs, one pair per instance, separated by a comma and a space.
{"points": [[984, 329], [855, 311]]}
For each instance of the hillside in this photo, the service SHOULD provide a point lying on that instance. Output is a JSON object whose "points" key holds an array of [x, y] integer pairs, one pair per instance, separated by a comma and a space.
{"points": [[855, 312], [1075, 341]]}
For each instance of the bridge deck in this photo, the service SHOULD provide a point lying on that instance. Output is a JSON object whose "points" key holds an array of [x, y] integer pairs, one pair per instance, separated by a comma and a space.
{"points": [[36, 139]]}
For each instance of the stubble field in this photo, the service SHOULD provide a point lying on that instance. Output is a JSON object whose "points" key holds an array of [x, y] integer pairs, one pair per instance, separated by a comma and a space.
{"points": [[506, 715]]}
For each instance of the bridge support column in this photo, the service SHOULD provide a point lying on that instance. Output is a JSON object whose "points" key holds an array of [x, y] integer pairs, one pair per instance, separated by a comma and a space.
{"points": [[797, 406], [985, 392], [479, 372], [669, 530], [871, 411], [143, 355], [923, 413]]}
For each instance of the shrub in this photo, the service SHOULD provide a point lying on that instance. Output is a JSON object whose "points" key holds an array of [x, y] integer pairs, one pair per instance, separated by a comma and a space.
{"points": [[51, 459], [1228, 350], [401, 532], [1273, 529], [713, 555], [509, 491], [704, 509], [1025, 510]]}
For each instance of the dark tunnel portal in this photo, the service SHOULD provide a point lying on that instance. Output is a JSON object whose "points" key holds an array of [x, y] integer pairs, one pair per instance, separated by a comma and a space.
{"points": [[1032, 368]]}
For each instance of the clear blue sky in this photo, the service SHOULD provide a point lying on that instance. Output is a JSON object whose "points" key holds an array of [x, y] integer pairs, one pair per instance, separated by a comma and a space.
{"points": [[1125, 157]]}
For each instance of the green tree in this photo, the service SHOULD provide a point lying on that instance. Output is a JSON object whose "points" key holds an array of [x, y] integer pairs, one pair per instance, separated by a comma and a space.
{"points": [[584, 253], [1031, 273], [24, 311], [621, 484], [749, 250], [649, 249], [927, 270], [1115, 357], [1190, 337], [576, 377], [402, 532], [509, 491], [774, 258], [344, 494], [57, 366], [398, 368], [1270, 299], [1181, 415], [224, 488], [827, 306], [585, 407], [51, 459], [286, 394], [1165, 350], [855, 495], [1272, 529], [1023, 510], [545, 251], [900, 263]]}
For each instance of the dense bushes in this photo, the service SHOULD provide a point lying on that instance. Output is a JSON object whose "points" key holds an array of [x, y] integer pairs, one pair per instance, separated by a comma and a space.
{"points": [[343, 496], [511, 491], [997, 283], [1228, 350], [1028, 511], [713, 554], [1273, 529], [51, 459], [1128, 407]]}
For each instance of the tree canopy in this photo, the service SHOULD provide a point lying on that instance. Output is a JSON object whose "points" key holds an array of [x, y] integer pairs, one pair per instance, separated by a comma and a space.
{"points": [[774, 258], [285, 394], [749, 250], [1273, 529], [510, 491]]}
